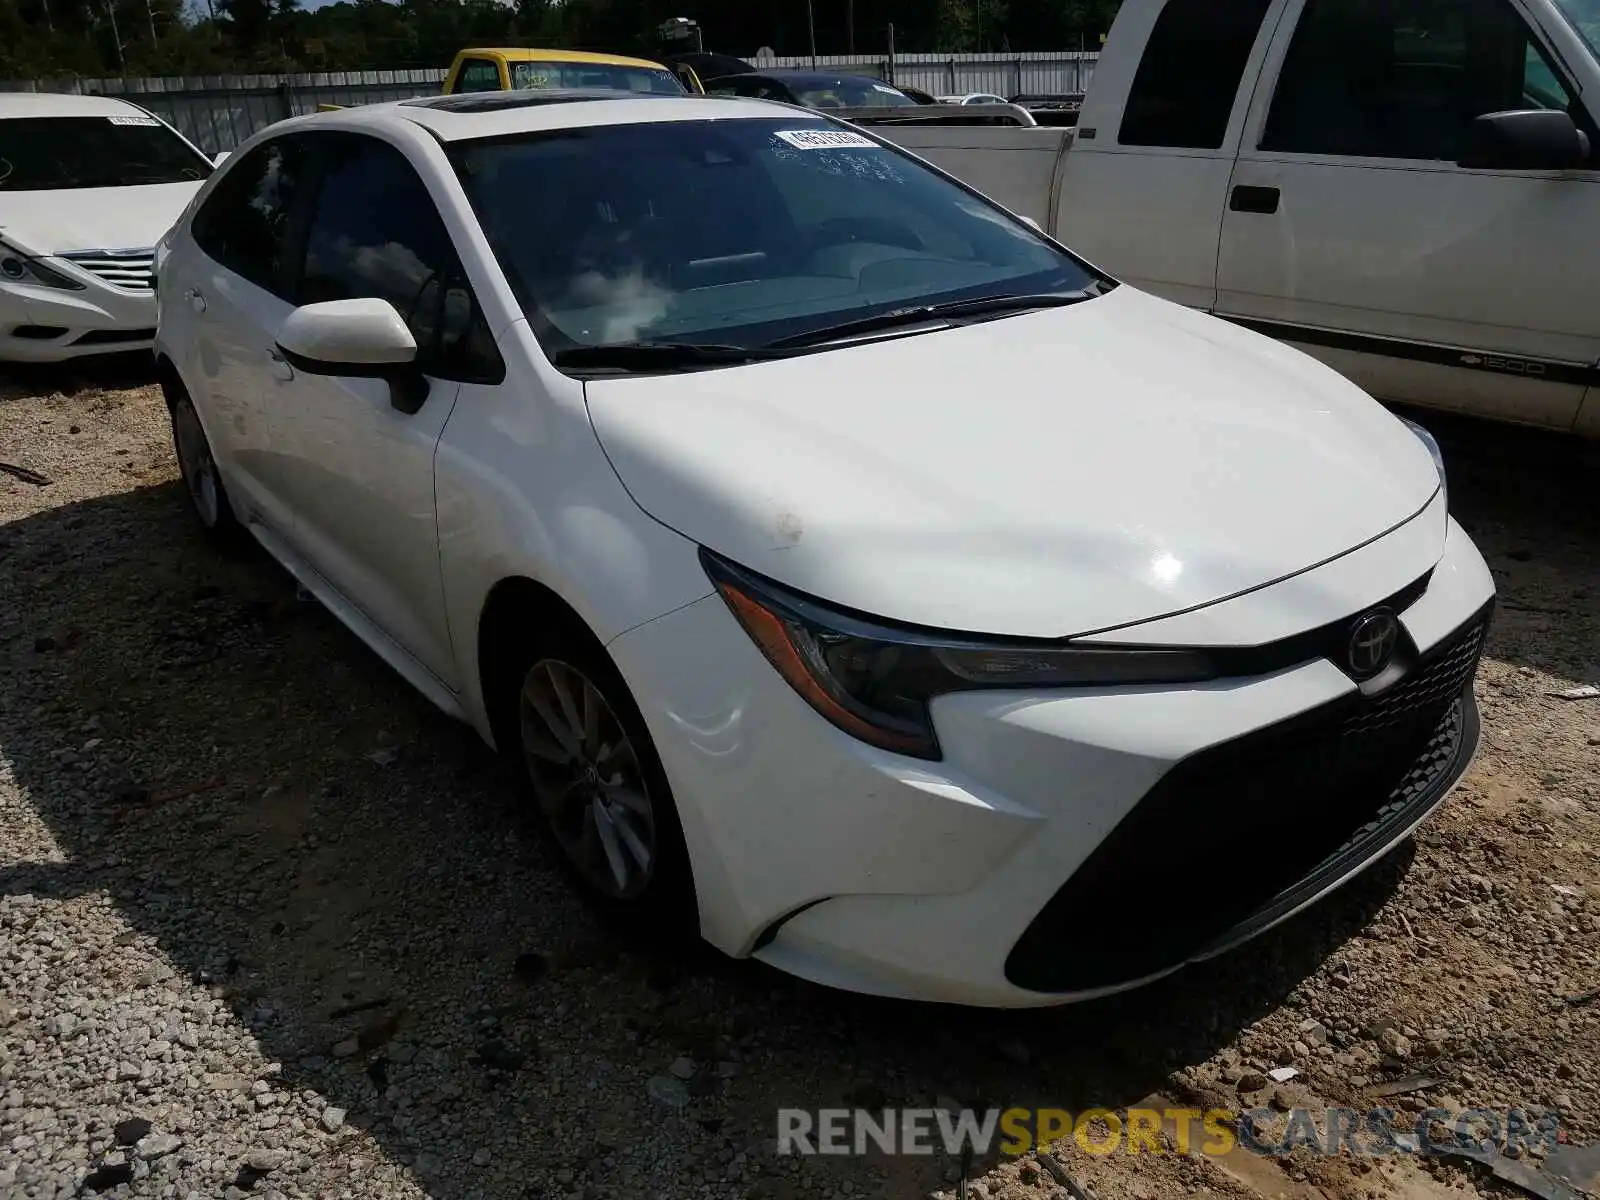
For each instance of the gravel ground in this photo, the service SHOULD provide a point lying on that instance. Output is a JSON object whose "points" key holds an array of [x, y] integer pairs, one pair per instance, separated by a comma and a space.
{"points": [[269, 925]]}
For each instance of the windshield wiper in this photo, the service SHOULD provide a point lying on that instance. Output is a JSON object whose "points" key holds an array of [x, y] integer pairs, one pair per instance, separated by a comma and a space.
{"points": [[661, 356], [912, 315]]}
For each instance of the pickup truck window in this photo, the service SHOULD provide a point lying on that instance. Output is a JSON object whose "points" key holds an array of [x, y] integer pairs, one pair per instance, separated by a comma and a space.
{"points": [[478, 75], [533, 75], [1405, 80], [1584, 16], [1183, 91]]}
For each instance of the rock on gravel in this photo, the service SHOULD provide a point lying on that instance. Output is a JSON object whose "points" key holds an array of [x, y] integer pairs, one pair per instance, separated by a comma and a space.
{"points": [[668, 1091], [265, 1161], [157, 1145]]}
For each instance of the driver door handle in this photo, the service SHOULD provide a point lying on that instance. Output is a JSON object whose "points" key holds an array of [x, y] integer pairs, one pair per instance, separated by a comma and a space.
{"points": [[280, 366], [1246, 199], [196, 300]]}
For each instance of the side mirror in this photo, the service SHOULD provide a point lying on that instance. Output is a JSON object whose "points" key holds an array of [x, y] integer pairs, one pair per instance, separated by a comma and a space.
{"points": [[1533, 139], [221, 158], [356, 339]]}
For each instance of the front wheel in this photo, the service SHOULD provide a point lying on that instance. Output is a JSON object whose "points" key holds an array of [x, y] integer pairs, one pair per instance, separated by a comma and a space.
{"points": [[208, 498], [600, 789]]}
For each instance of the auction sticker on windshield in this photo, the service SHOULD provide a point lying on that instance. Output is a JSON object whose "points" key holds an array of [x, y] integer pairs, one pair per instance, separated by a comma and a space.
{"points": [[824, 139], [144, 121]]}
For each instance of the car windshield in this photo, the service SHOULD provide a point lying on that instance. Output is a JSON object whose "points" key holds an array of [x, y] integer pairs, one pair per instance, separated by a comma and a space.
{"points": [[850, 93], [48, 153], [1585, 18], [536, 75], [738, 232]]}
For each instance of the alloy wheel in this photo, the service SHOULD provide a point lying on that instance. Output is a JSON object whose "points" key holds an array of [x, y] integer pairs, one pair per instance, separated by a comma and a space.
{"points": [[587, 778], [198, 467]]}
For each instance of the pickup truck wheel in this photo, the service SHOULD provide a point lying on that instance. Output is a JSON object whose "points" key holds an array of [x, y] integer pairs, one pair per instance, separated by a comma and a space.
{"points": [[208, 498], [600, 791]]}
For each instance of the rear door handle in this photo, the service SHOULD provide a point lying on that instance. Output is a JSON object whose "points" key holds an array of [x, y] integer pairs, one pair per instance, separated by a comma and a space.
{"points": [[280, 366], [1248, 199], [196, 300]]}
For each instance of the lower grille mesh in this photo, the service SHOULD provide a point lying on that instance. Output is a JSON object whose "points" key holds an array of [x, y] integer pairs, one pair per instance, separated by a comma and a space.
{"points": [[1255, 819]]}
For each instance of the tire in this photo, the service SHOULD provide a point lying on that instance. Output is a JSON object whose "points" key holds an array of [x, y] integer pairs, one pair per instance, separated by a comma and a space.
{"points": [[598, 788], [208, 496]]}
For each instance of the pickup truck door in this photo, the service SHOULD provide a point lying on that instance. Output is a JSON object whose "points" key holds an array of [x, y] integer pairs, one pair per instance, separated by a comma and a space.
{"points": [[1146, 180], [1351, 230]]}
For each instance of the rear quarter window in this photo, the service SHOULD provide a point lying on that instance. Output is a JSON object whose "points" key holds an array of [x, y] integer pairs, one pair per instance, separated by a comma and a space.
{"points": [[1193, 64]]}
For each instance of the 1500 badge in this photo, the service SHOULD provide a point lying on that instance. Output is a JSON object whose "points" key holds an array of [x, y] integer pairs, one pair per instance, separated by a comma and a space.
{"points": [[1494, 362]]}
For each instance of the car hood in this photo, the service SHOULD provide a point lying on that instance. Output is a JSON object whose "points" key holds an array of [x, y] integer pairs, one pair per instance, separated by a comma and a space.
{"points": [[1062, 472], [118, 218]]}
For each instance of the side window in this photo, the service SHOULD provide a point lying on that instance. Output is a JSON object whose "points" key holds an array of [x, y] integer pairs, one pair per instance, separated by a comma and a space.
{"points": [[478, 75], [1404, 79], [244, 223], [375, 232], [1184, 89]]}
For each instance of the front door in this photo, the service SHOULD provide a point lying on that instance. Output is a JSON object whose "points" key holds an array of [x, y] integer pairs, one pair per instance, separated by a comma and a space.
{"points": [[1352, 230], [363, 488]]}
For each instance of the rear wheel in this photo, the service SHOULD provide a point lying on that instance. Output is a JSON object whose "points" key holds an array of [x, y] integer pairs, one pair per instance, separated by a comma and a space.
{"points": [[208, 498], [600, 791]]}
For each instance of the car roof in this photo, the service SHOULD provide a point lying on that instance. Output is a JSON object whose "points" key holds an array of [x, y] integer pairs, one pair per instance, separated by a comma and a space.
{"points": [[529, 54], [63, 104], [498, 114]]}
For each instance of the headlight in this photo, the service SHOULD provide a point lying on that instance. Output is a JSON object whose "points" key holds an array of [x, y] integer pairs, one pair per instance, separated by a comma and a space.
{"points": [[1428, 440], [874, 681], [20, 268]]}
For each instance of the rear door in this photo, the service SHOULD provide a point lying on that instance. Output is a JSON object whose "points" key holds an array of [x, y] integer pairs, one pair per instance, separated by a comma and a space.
{"points": [[1353, 231], [234, 291], [1147, 178]]}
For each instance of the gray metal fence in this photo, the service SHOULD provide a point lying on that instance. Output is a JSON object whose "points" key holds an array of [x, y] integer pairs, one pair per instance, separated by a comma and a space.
{"points": [[217, 112], [957, 74]]}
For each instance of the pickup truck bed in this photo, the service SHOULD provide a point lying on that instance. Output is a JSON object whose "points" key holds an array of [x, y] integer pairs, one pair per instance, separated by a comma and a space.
{"points": [[1020, 168]]}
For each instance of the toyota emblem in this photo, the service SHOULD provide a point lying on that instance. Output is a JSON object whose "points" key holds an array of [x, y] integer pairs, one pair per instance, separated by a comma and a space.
{"points": [[1372, 643]]}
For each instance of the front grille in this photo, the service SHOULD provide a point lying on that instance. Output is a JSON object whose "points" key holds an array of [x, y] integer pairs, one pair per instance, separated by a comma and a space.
{"points": [[127, 270], [1235, 836]]}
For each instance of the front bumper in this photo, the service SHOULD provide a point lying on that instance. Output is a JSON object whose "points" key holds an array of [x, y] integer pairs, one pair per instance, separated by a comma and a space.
{"points": [[1068, 844], [44, 325]]}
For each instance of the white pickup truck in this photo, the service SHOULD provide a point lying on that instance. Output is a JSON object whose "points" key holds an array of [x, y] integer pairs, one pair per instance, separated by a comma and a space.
{"points": [[1407, 189]]}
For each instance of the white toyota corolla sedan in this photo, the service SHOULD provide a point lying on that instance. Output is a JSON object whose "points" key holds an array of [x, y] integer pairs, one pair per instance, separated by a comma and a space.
{"points": [[862, 578], [87, 186]]}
